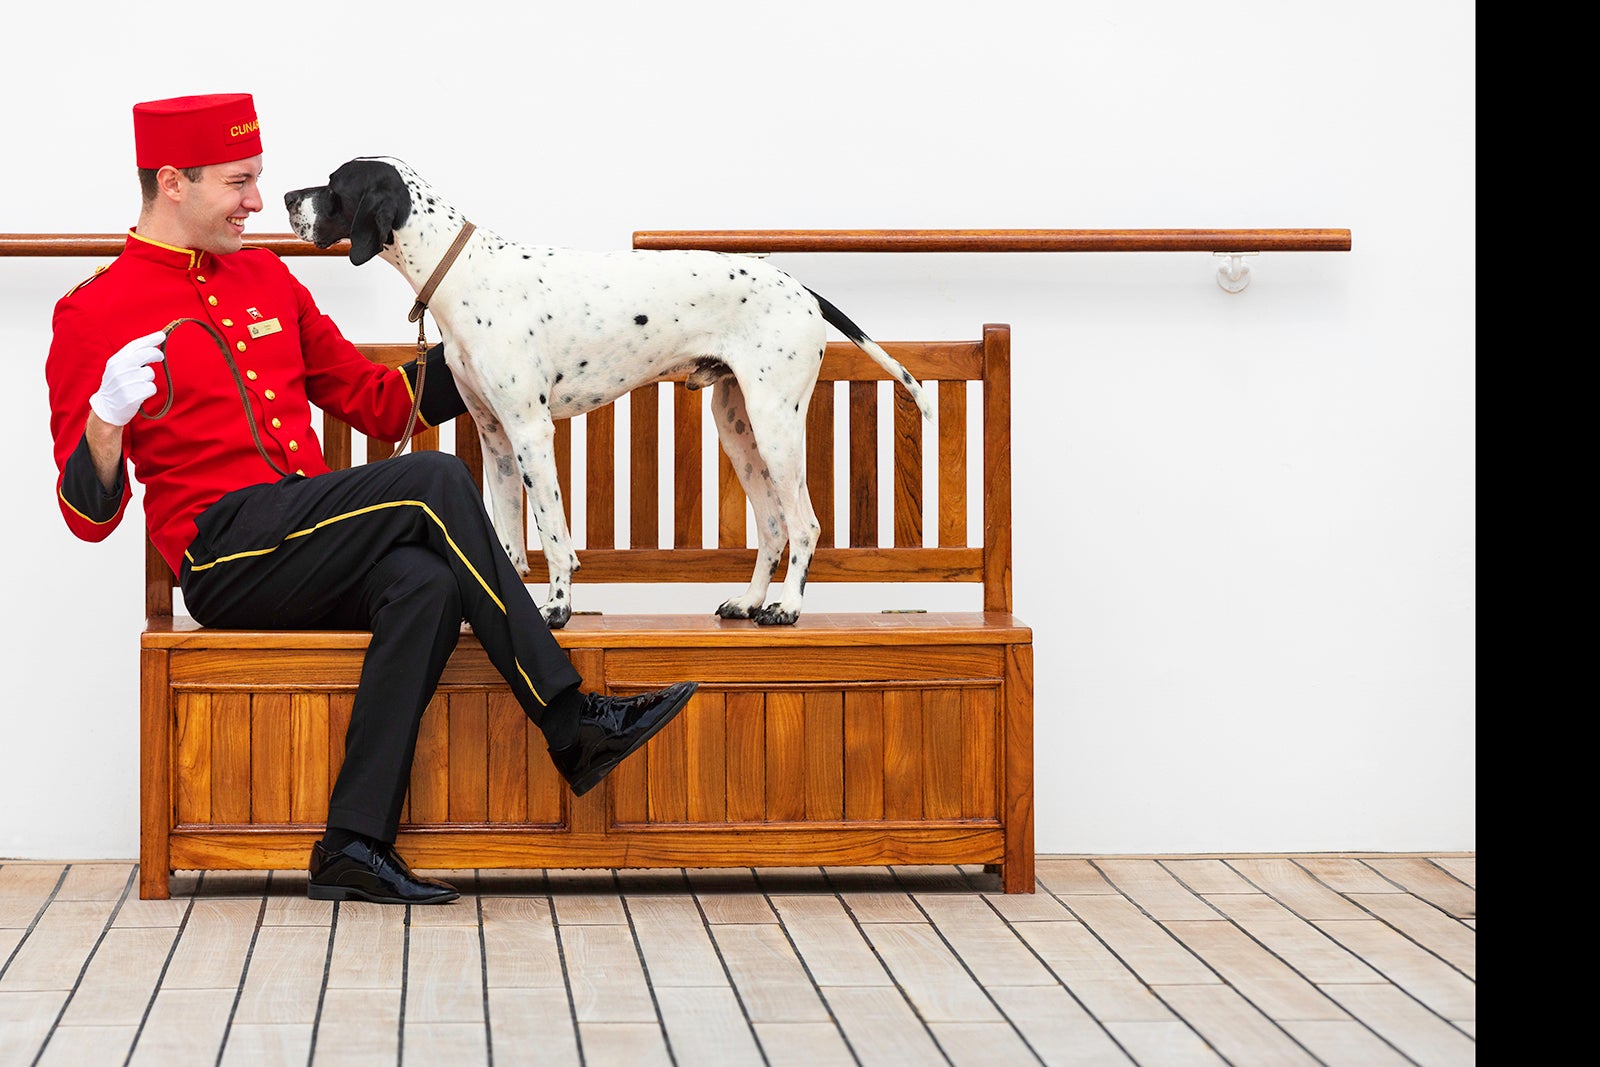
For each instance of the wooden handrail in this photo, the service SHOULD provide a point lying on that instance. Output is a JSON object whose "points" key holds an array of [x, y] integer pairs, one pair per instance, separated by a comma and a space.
{"points": [[110, 244], [997, 240], [287, 244]]}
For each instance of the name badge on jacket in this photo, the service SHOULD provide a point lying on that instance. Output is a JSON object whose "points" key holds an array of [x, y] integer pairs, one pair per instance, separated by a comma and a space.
{"points": [[262, 329]]}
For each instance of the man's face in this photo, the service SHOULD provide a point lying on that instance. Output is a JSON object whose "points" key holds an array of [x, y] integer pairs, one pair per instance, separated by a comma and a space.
{"points": [[213, 210]]}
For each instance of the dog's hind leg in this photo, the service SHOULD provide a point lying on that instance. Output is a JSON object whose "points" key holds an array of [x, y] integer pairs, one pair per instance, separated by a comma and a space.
{"points": [[533, 445], [780, 438], [738, 441]]}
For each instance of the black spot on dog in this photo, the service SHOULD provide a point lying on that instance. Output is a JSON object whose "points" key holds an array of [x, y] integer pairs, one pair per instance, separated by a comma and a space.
{"points": [[640, 320], [542, 400]]}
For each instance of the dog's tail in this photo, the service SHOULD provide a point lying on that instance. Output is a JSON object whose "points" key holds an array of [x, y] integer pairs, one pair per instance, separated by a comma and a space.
{"points": [[841, 322]]}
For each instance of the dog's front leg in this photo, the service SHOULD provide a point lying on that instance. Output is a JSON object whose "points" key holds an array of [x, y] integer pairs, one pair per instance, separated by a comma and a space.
{"points": [[533, 445], [505, 486]]}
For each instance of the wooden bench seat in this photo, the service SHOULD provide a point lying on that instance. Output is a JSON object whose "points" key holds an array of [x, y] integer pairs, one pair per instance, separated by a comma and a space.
{"points": [[846, 739]]}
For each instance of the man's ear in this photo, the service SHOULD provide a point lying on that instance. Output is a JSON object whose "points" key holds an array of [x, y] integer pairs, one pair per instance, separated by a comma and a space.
{"points": [[171, 183], [373, 225]]}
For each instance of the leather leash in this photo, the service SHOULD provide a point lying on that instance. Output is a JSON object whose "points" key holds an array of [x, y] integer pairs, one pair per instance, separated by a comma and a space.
{"points": [[416, 315], [238, 381]]}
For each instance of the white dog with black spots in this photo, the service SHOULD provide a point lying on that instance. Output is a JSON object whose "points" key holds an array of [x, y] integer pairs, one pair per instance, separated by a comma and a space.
{"points": [[534, 334]]}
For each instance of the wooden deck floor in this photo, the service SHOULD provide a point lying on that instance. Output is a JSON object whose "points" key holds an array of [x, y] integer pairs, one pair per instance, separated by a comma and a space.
{"points": [[1304, 959]]}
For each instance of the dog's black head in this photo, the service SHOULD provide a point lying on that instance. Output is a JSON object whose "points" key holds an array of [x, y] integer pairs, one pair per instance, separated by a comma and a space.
{"points": [[364, 200]]}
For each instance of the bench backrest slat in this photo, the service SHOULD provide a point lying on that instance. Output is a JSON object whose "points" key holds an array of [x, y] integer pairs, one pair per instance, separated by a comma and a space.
{"points": [[932, 549], [952, 463], [819, 461], [600, 449], [687, 496], [907, 470], [730, 504], [644, 497], [863, 513]]}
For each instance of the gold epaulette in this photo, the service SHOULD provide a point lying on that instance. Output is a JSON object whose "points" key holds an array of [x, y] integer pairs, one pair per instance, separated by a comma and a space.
{"points": [[97, 272]]}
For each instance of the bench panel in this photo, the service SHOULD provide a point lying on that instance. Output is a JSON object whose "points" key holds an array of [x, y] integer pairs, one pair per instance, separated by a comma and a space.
{"points": [[797, 764], [888, 740], [639, 669], [270, 758], [767, 845]]}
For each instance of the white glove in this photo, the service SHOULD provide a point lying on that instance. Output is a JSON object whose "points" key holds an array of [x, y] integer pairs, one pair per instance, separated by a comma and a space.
{"points": [[129, 380]]}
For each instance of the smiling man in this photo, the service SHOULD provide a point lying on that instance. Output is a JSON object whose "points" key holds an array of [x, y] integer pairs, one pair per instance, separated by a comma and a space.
{"points": [[240, 502]]}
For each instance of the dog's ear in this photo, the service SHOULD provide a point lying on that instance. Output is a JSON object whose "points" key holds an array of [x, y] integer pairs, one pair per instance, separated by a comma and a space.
{"points": [[372, 227]]}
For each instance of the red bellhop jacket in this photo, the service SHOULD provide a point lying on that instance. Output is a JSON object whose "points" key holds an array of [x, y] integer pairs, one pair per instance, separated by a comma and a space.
{"points": [[289, 353]]}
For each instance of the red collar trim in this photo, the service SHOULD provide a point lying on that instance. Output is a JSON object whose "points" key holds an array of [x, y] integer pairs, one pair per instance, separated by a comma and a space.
{"points": [[166, 255]]}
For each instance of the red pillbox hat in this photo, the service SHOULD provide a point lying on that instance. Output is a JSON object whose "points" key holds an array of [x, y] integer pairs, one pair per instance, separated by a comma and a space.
{"points": [[195, 131]]}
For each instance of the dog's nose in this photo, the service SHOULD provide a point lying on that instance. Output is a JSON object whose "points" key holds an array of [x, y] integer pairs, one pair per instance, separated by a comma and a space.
{"points": [[291, 200]]}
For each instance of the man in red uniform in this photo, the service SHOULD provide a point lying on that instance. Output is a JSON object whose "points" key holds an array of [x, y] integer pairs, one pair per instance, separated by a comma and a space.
{"points": [[240, 502]]}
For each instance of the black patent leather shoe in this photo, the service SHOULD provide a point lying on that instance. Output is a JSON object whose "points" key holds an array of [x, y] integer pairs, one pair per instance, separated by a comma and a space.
{"points": [[612, 728], [359, 871]]}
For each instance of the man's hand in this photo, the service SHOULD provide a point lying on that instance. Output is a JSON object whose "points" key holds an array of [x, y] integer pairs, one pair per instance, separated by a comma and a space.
{"points": [[129, 380]]}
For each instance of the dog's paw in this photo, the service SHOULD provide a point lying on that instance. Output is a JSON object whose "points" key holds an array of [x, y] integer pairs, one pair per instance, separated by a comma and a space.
{"points": [[519, 560], [730, 609], [556, 617], [775, 615]]}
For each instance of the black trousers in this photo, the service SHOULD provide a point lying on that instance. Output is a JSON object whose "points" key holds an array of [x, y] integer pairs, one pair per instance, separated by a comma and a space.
{"points": [[403, 548]]}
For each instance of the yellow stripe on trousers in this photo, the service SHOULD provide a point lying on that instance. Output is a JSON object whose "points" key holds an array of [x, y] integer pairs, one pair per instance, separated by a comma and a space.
{"points": [[465, 562]]}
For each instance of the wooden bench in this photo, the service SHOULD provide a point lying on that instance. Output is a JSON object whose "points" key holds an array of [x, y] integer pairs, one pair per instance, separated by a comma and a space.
{"points": [[846, 739]]}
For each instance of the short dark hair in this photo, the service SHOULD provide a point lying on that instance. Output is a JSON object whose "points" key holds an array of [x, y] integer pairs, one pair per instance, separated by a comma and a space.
{"points": [[147, 180]]}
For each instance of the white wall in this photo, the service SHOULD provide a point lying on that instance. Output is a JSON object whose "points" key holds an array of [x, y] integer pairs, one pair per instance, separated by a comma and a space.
{"points": [[1244, 524]]}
